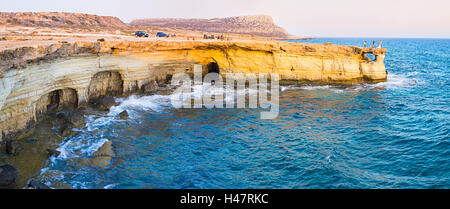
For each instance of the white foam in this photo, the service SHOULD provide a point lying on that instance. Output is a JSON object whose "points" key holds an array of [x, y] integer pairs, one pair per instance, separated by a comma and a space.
{"points": [[155, 103], [95, 123], [76, 147], [396, 81], [315, 87], [206, 90], [110, 186]]}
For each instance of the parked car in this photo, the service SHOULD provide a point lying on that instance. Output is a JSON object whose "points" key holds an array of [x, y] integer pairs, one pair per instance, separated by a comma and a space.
{"points": [[161, 34], [140, 34]]}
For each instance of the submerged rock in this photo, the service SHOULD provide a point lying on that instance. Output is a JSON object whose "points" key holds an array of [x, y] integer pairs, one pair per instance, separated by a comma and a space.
{"points": [[50, 176], [57, 119], [123, 115], [12, 147], [104, 150], [100, 162], [66, 130], [101, 158], [68, 121], [103, 103], [76, 119], [32, 140], [8, 176], [61, 185], [61, 116]]}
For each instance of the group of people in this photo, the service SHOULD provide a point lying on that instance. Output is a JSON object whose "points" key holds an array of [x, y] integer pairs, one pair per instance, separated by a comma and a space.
{"points": [[221, 37], [380, 44]]}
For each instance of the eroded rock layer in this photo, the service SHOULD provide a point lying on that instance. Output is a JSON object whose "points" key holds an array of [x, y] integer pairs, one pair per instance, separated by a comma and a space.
{"points": [[34, 80]]}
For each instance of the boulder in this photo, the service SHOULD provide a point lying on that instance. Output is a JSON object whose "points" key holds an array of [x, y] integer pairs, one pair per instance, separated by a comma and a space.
{"points": [[103, 103], [123, 115], [8, 176], [53, 152], [103, 156]]}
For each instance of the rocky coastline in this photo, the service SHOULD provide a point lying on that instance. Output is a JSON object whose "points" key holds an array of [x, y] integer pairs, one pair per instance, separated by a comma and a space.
{"points": [[58, 84]]}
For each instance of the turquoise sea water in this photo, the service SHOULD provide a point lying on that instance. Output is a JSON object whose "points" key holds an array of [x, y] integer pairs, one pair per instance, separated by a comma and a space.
{"points": [[386, 135]]}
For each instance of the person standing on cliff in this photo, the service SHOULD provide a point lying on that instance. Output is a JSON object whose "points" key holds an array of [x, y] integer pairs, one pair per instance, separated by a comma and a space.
{"points": [[373, 44], [365, 43], [380, 44]]}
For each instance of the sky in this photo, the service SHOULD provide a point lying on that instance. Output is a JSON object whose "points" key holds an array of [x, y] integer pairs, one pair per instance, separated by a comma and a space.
{"points": [[313, 18]]}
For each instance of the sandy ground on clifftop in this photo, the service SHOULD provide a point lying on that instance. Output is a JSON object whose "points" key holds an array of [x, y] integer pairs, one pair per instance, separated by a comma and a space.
{"points": [[12, 37]]}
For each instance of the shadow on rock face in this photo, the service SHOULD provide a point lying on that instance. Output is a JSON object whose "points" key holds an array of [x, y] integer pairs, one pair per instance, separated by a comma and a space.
{"points": [[8, 176], [76, 119], [30, 152], [103, 103], [12, 147]]}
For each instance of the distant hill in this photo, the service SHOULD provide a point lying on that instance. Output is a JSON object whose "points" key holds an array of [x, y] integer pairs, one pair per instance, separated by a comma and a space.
{"points": [[58, 19], [260, 25]]}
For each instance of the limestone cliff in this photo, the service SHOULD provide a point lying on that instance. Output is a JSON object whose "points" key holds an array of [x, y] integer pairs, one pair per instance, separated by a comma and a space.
{"points": [[36, 79], [260, 25]]}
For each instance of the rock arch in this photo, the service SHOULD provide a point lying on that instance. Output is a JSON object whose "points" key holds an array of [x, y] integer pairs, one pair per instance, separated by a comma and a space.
{"points": [[369, 57]]}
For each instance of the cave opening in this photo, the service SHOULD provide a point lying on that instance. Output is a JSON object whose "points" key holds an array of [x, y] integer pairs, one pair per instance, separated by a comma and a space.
{"points": [[369, 56], [213, 67], [60, 99]]}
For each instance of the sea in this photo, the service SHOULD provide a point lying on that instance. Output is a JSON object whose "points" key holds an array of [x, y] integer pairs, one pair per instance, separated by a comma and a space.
{"points": [[393, 134]]}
